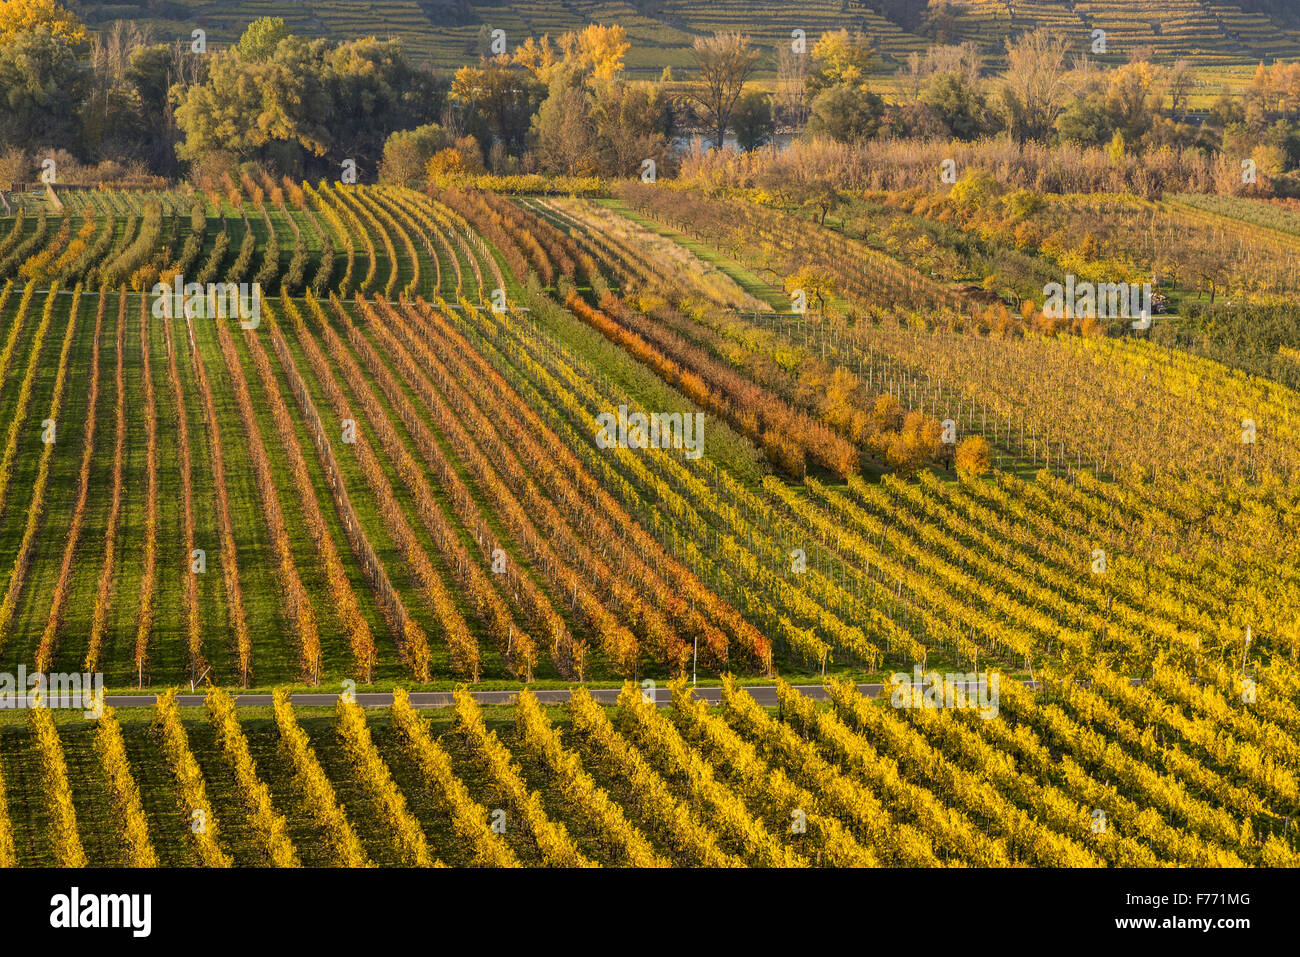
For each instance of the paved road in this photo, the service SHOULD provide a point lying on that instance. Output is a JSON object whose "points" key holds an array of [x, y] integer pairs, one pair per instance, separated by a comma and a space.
{"points": [[763, 694]]}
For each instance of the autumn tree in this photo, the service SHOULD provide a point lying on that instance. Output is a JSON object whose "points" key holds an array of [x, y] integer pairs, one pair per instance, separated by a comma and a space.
{"points": [[843, 407], [844, 107], [455, 162], [1134, 97], [41, 82], [18, 16], [261, 37], [565, 133], [886, 414], [592, 121], [599, 50], [815, 282], [596, 51], [497, 98], [407, 153], [917, 443], [726, 61], [15, 168], [905, 443], [840, 57], [974, 457]]}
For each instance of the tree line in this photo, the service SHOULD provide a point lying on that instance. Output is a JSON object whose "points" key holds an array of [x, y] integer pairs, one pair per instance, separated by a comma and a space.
{"points": [[118, 105]]}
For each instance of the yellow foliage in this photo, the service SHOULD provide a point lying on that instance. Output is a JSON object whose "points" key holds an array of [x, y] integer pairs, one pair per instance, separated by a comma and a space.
{"points": [[974, 457], [844, 57], [595, 50], [19, 15]]}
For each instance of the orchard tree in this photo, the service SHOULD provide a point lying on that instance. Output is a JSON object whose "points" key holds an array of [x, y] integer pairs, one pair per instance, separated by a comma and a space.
{"points": [[815, 282]]}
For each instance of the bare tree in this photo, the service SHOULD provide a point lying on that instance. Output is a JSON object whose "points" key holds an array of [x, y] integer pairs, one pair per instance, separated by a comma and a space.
{"points": [[15, 168], [964, 59], [792, 86], [1181, 79], [726, 61], [1036, 86], [910, 78]]}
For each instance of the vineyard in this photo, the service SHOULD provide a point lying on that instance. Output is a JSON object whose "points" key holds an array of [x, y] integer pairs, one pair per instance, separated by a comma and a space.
{"points": [[849, 784], [1211, 32], [389, 472]]}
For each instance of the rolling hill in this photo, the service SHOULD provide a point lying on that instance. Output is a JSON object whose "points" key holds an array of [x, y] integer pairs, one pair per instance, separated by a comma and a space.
{"points": [[450, 32]]}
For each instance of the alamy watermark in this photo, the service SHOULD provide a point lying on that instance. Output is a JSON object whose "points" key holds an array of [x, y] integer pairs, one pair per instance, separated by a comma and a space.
{"points": [[932, 689], [1106, 300], [216, 300], [72, 690], [656, 430], [73, 910]]}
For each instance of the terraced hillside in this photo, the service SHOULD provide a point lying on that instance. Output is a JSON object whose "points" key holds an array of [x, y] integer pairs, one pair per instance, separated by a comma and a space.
{"points": [[452, 32]]}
